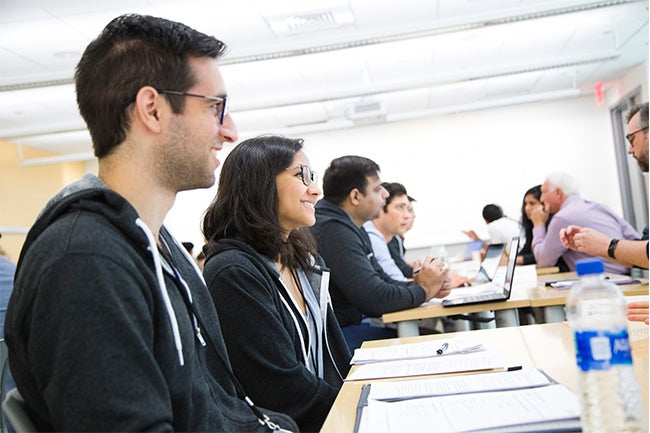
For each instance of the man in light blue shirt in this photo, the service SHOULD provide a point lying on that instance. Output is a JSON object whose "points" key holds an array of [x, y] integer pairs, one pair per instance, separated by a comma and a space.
{"points": [[391, 221]]}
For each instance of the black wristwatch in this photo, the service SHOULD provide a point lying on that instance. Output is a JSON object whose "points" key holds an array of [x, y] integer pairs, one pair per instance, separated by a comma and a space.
{"points": [[612, 248]]}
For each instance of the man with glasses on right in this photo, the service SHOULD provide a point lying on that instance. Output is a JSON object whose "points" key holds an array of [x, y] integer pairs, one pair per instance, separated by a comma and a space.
{"points": [[626, 252]]}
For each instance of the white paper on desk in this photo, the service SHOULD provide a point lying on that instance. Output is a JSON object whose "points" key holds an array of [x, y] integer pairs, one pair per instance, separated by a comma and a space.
{"points": [[466, 412], [567, 284], [485, 360], [525, 277], [415, 350], [462, 384]]}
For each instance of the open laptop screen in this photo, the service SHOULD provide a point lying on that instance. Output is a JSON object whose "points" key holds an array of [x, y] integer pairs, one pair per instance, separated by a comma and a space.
{"points": [[490, 262]]}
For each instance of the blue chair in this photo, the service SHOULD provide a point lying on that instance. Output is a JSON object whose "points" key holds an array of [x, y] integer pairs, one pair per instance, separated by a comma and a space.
{"points": [[13, 407], [4, 368]]}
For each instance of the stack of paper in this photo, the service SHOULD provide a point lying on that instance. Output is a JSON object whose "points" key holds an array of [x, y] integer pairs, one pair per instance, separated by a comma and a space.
{"points": [[425, 349], [449, 385], [517, 401]]}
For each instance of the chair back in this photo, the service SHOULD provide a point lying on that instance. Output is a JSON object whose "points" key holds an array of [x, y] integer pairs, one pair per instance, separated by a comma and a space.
{"points": [[13, 407]]}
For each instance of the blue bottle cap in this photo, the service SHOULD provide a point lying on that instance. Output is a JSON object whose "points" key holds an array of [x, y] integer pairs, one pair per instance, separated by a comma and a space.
{"points": [[590, 266]]}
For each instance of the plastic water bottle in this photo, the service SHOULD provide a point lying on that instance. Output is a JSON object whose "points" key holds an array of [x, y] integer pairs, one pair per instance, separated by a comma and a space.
{"points": [[597, 313]]}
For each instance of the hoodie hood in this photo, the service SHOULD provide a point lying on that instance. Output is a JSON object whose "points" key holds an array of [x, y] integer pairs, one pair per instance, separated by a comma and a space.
{"points": [[212, 249], [91, 194]]}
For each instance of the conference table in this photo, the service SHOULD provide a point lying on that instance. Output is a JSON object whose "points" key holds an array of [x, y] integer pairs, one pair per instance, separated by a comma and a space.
{"points": [[529, 290], [548, 347]]}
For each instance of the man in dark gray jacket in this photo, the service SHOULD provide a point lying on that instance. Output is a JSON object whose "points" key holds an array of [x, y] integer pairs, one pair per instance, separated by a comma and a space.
{"points": [[352, 195], [110, 326]]}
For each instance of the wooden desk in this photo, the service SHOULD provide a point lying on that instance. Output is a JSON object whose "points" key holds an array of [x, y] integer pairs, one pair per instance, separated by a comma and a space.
{"points": [[553, 300], [505, 313], [548, 347]]}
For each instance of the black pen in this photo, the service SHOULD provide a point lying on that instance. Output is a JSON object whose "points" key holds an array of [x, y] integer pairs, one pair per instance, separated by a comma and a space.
{"points": [[420, 268], [442, 348]]}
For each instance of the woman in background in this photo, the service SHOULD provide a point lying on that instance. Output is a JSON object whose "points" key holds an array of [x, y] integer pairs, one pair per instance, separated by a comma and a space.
{"points": [[268, 283], [532, 198]]}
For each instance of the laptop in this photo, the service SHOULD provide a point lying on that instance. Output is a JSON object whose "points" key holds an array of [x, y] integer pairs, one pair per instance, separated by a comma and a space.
{"points": [[490, 263], [473, 247], [488, 292]]}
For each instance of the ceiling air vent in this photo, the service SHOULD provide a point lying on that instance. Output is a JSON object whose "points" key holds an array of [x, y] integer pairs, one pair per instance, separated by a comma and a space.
{"points": [[366, 112], [311, 21]]}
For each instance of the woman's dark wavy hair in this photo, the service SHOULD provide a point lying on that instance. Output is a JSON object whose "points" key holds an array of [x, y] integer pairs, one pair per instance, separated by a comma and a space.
{"points": [[131, 52], [246, 204], [526, 223]]}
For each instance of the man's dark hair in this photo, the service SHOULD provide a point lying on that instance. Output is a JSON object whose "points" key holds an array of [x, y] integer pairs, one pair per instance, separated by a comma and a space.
{"points": [[246, 205], [345, 174], [643, 117], [134, 51], [394, 190], [492, 212]]}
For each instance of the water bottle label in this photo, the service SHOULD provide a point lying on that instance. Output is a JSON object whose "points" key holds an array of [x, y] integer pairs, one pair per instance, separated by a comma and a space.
{"points": [[600, 350]]}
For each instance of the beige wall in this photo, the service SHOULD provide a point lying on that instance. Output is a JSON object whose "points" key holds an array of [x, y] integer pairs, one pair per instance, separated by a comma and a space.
{"points": [[24, 191]]}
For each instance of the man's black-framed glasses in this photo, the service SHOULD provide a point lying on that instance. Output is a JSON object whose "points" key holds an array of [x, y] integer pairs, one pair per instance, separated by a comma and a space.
{"points": [[220, 106], [631, 135], [306, 173]]}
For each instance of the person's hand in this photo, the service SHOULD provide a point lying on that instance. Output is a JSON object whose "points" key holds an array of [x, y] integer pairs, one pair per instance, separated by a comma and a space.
{"points": [[638, 311], [587, 240], [472, 235], [539, 215], [432, 277], [457, 280], [415, 264], [566, 236]]}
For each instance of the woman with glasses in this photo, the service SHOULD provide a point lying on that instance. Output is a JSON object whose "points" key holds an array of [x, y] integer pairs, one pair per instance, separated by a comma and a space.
{"points": [[268, 283]]}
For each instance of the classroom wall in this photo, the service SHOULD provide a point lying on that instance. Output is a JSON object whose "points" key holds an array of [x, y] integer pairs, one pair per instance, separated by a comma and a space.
{"points": [[24, 191], [455, 164], [452, 164]]}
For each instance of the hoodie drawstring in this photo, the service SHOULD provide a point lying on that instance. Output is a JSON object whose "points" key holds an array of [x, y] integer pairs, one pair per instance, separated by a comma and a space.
{"points": [[153, 247]]}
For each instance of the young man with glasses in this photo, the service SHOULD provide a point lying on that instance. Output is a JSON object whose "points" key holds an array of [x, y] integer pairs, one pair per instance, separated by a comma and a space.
{"points": [[110, 326], [391, 221], [389, 224]]}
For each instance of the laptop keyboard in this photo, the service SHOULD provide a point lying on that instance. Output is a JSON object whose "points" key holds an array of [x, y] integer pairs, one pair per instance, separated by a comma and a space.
{"points": [[478, 298]]}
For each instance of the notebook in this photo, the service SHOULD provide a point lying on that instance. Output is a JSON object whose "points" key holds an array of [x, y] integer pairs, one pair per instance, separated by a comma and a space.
{"points": [[490, 263], [492, 291]]}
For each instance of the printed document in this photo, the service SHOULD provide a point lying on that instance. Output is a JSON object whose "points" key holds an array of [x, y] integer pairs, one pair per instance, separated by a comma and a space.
{"points": [[462, 384], [451, 346], [485, 360], [468, 412]]}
